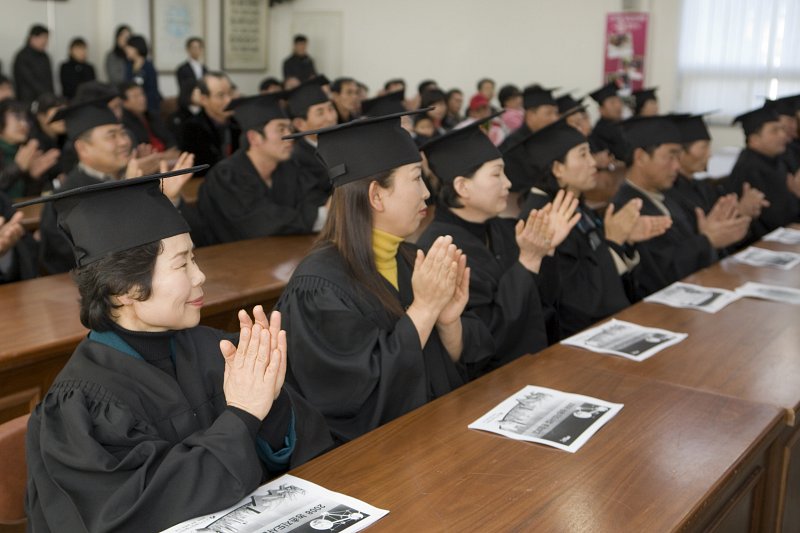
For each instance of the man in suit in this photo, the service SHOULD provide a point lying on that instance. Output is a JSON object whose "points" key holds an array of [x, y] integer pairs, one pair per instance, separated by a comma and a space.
{"points": [[190, 71]]}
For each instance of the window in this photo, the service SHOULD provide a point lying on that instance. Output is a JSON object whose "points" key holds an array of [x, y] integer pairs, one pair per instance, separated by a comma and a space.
{"points": [[734, 53]]}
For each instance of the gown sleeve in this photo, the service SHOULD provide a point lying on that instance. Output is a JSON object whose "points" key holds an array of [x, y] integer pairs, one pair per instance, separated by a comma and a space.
{"points": [[94, 465], [356, 373]]}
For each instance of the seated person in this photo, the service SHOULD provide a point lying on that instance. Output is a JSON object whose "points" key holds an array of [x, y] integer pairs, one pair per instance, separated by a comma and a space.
{"points": [[18, 249], [143, 126], [653, 164], [155, 419], [376, 326], [259, 190], [504, 256]]}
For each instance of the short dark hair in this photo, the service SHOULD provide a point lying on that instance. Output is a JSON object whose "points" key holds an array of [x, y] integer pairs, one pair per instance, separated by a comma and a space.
{"points": [[194, 39], [392, 82], [77, 41], [138, 42], [425, 85], [447, 194], [4, 79], [506, 93], [114, 275], [202, 84], [452, 92], [484, 80], [266, 83], [300, 38], [337, 84], [37, 30], [11, 106], [431, 96]]}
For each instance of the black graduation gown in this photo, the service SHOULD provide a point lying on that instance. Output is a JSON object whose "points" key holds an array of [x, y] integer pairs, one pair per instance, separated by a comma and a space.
{"points": [[352, 360], [518, 168], [236, 204], [792, 156], [607, 134], [672, 256], [25, 261], [502, 292], [56, 254], [119, 445], [304, 155], [206, 140], [689, 193], [590, 287], [767, 174]]}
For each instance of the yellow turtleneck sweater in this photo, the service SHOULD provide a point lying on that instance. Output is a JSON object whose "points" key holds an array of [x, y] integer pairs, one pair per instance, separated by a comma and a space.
{"points": [[385, 246]]}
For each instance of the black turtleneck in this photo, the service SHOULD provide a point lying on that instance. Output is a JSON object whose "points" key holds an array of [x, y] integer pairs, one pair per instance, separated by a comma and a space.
{"points": [[153, 346]]}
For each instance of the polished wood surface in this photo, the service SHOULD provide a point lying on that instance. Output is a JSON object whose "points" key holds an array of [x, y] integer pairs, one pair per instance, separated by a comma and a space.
{"points": [[673, 458]]}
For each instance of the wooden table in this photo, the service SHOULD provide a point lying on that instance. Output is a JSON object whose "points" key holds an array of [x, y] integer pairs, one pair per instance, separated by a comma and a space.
{"points": [[41, 326], [749, 350], [672, 459]]}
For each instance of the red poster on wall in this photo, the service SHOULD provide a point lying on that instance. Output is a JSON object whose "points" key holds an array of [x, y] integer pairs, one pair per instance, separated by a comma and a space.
{"points": [[626, 40]]}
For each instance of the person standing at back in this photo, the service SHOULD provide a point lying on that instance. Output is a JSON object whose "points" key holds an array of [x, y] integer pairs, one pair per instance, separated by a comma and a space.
{"points": [[33, 72], [299, 65]]}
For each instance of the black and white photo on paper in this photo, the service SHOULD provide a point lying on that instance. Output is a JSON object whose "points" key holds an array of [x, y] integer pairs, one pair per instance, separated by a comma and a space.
{"points": [[776, 293], [761, 257], [690, 296], [625, 339]]}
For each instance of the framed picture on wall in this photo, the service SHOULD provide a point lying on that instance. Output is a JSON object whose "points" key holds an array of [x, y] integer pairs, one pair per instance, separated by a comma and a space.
{"points": [[171, 23], [244, 35]]}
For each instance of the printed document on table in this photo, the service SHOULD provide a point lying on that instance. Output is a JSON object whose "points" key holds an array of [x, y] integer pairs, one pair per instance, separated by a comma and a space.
{"points": [[690, 296], [625, 339], [760, 257], [546, 416], [287, 504], [776, 293]]}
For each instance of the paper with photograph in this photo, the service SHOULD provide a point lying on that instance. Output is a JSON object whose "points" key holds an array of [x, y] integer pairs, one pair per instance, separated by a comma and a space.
{"points": [[287, 504], [625, 339], [690, 296], [554, 418], [759, 257], [775, 293], [784, 235]]}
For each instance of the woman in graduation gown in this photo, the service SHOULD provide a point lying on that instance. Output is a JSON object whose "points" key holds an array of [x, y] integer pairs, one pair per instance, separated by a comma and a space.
{"points": [[376, 326], [596, 262], [154, 419], [504, 255]]}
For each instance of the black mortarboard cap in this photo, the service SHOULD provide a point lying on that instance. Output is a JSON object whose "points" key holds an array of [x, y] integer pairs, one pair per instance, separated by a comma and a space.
{"points": [[114, 216], [84, 116], [536, 95], [692, 127], [305, 95], [364, 147], [253, 112], [782, 106], [566, 103], [642, 132], [753, 120], [642, 96], [386, 104], [552, 142], [606, 91], [460, 151]]}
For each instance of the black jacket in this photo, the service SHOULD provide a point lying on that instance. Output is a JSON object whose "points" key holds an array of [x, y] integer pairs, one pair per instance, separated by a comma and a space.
{"points": [[208, 142], [186, 83], [72, 74], [33, 74], [300, 67]]}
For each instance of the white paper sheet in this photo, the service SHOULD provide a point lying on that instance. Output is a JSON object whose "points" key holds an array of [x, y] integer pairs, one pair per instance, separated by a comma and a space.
{"points": [[690, 296], [625, 339], [554, 418], [287, 504], [784, 235], [761, 257], [775, 293]]}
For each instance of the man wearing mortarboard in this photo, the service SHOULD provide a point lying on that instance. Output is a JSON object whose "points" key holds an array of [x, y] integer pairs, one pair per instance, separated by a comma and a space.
{"points": [[653, 163], [606, 133], [310, 109], [645, 102], [761, 165], [103, 147], [259, 191]]}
